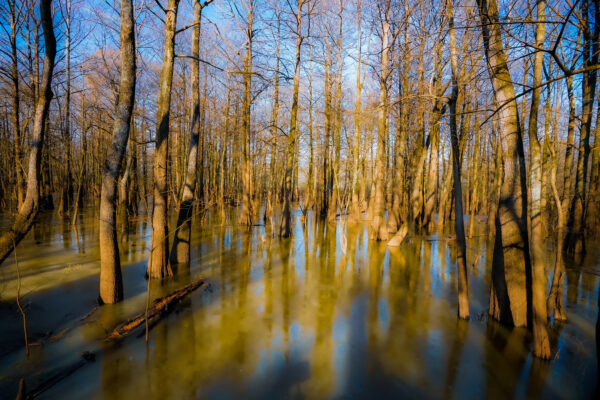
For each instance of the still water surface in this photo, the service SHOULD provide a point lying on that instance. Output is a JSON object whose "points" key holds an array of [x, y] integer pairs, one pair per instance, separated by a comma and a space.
{"points": [[326, 314]]}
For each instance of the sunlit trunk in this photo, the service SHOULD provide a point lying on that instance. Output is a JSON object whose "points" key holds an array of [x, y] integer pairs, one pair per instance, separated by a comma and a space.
{"points": [[285, 228], [541, 345], [111, 283], [378, 224], [511, 269], [158, 263]]}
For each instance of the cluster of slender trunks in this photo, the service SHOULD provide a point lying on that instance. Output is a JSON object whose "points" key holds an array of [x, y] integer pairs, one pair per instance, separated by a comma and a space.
{"points": [[394, 177]]}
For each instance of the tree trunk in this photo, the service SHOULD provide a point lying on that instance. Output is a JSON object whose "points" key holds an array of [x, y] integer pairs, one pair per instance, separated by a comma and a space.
{"points": [[463, 283], [434, 135], [16, 101], [67, 186], [335, 195], [378, 225], [111, 283], [247, 207], [310, 184], [593, 202], [29, 209], [541, 344], [554, 305], [568, 182], [575, 239], [180, 252], [158, 263], [509, 297], [275, 124], [355, 211], [285, 228]]}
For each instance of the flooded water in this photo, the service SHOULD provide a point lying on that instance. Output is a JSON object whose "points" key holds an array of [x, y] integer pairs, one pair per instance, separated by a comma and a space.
{"points": [[326, 314]]}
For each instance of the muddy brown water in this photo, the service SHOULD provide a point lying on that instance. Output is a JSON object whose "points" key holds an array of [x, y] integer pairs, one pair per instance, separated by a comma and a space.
{"points": [[297, 318]]}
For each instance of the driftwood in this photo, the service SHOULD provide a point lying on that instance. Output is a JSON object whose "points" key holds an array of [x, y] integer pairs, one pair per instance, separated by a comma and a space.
{"points": [[159, 309]]}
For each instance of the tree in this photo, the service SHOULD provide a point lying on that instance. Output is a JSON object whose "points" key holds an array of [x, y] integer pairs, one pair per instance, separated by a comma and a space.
{"points": [[247, 203], [111, 282], [378, 226], [541, 345], [285, 228], [158, 263], [575, 240], [180, 252], [355, 201], [459, 225], [508, 296], [29, 208]]}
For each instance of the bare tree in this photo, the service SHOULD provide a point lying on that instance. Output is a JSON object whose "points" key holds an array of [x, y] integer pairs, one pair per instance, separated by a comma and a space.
{"points": [[508, 297], [180, 252], [158, 263], [29, 208], [111, 282], [285, 228]]}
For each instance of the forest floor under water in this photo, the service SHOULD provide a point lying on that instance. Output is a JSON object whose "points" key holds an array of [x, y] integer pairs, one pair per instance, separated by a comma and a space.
{"points": [[325, 314]]}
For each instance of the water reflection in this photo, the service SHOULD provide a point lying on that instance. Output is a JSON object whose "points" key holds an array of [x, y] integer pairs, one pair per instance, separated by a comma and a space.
{"points": [[325, 314]]}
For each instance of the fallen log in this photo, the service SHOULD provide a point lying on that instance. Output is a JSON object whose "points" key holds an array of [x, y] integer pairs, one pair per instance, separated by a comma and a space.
{"points": [[160, 308]]}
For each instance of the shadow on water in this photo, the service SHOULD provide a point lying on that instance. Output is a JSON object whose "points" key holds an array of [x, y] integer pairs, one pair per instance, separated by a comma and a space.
{"points": [[325, 314]]}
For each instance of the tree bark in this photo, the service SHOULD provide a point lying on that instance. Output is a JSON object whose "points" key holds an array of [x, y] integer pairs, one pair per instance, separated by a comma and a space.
{"points": [[111, 282], [275, 122], [541, 344], [158, 263], [29, 208], [511, 269], [66, 197], [554, 304], [378, 225], [247, 206], [463, 283], [16, 101], [285, 228], [575, 239], [180, 252], [355, 211]]}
